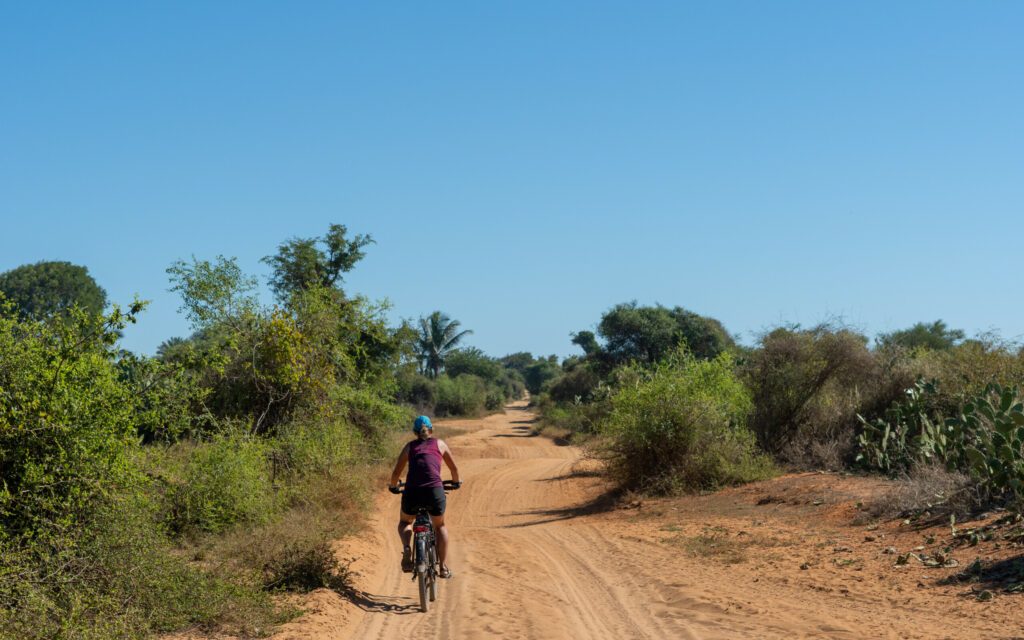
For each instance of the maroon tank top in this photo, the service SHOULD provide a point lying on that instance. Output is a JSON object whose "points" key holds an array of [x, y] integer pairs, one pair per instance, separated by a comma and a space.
{"points": [[424, 464]]}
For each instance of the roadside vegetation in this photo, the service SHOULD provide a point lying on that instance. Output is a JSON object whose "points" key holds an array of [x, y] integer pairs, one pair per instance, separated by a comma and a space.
{"points": [[142, 494], [673, 404]]}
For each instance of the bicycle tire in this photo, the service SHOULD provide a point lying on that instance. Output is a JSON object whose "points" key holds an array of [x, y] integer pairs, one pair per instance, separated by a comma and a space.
{"points": [[432, 587], [422, 573], [424, 595]]}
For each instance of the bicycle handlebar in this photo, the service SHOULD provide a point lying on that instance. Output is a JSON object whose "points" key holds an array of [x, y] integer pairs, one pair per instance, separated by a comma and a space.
{"points": [[449, 485]]}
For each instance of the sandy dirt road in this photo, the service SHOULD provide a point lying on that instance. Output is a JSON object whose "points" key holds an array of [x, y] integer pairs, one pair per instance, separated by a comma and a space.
{"points": [[532, 562]]}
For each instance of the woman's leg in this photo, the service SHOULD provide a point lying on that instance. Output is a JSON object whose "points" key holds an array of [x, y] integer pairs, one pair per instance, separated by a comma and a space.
{"points": [[441, 532], [405, 533]]}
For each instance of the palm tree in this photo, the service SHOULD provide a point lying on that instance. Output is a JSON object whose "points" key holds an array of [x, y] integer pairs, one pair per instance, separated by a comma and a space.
{"points": [[439, 334]]}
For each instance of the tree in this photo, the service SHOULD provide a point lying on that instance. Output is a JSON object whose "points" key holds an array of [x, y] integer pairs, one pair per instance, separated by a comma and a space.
{"points": [[518, 361], [439, 335], [212, 292], [45, 289], [648, 334], [808, 385], [540, 372], [705, 337], [301, 263], [935, 336], [585, 340], [643, 334], [474, 362]]}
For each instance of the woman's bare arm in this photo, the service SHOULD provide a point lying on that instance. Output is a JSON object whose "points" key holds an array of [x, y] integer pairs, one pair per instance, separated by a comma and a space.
{"points": [[403, 459], [446, 454]]}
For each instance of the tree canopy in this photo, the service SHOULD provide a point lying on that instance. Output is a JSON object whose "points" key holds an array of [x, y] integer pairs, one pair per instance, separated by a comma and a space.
{"points": [[647, 334], [45, 289], [439, 335], [303, 263], [212, 291], [935, 336]]}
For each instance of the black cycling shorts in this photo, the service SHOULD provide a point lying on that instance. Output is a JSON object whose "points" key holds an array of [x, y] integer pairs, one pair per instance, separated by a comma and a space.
{"points": [[430, 498]]}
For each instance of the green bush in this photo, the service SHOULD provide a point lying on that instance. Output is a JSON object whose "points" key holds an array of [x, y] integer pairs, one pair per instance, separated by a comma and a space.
{"points": [[966, 369], [416, 390], [66, 430], [223, 482], [315, 446], [576, 385], [577, 417], [538, 375], [170, 401], [371, 411], [465, 395], [120, 579], [682, 427], [81, 552]]}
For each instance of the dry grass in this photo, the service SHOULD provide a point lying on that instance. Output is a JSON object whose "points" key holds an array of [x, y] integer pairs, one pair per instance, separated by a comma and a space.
{"points": [[713, 543], [928, 490], [295, 551]]}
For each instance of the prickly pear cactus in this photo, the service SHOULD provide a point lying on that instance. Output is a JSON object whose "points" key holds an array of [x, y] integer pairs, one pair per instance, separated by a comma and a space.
{"points": [[985, 440], [906, 434], [993, 441]]}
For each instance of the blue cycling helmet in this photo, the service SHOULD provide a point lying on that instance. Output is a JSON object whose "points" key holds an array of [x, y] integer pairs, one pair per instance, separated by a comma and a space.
{"points": [[421, 423]]}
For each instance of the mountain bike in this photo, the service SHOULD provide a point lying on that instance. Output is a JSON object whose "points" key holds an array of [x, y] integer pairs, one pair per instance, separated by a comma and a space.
{"points": [[424, 550]]}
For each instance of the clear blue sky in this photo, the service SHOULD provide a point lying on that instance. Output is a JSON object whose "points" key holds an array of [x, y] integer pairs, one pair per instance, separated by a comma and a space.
{"points": [[524, 166]]}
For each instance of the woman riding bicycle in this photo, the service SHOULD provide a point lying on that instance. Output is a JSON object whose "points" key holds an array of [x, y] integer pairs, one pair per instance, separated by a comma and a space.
{"points": [[424, 489]]}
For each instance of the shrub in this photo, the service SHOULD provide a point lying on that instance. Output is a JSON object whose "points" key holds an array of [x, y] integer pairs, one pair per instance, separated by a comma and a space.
{"points": [[81, 552], [465, 395], [966, 369], [416, 390], [315, 445], [303, 565], [540, 373], [576, 385], [495, 398], [577, 417], [170, 401], [223, 482], [260, 368], [294, 551], [502, 383], [122, 580], [370, 410], [928, 487], [682, 428], [66, 434], [808, 387]]}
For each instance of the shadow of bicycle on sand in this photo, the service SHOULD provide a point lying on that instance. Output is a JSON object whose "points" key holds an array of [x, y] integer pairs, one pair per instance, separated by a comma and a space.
{"points": [[376, 603]]}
